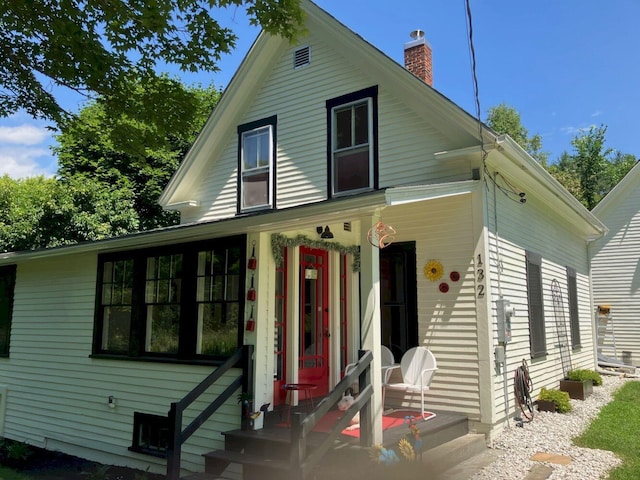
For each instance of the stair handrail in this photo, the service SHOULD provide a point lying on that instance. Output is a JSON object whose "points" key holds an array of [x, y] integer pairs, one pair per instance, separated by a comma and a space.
{"points": [[178, 436], [302, 463]]}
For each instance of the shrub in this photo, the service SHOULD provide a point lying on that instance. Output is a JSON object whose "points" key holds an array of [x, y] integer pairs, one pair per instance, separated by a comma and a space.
{"points": [[14, 454], [581, 375], [560, 398]]}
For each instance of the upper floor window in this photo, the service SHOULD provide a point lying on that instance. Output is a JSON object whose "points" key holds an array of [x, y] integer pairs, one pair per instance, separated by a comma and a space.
{"points": [[7, 285], [180, 302], [352, 121], [257, 154]]}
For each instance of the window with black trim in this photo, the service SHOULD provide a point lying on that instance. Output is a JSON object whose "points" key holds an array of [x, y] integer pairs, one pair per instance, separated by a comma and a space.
{"points": [[256, 164], [150, 434], [352, 142], [7, 286], [181, 302], [574, 315], [537, 331]]}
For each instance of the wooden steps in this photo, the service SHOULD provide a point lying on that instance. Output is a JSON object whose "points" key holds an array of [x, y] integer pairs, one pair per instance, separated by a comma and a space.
{"points": [[264, 454]]}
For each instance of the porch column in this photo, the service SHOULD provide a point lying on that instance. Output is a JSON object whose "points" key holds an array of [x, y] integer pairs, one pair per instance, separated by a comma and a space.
{"points": [[370, 326], [263, 315]]}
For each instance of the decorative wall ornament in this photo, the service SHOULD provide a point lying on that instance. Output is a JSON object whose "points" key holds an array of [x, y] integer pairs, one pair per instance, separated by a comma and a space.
{"points": [[381, 235], [443, 287], [251, 323], [433, 270], [278, 242], [454, 276], [252, 264]]}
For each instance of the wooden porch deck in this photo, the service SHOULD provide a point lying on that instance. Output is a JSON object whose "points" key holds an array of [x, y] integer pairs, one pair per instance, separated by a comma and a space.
{"points": [[271, 446]]}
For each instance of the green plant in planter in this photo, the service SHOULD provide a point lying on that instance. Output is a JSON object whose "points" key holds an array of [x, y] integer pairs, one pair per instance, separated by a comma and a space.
{"points": [[560, 398], [581, 375]]}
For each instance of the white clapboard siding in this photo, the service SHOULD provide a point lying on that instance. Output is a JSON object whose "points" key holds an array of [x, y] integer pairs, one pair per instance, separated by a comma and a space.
{"points": [[407, 138], [616, 266], [66, 403], [531, 226], [442, 230]]}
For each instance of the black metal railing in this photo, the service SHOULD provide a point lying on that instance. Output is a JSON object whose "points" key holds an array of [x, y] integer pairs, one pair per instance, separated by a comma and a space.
{"points": [[303, 462], [241, 358]]}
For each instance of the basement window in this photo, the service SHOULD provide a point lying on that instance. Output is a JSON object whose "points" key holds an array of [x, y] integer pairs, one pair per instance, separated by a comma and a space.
{"points": [[150, 434], [301, 57]]}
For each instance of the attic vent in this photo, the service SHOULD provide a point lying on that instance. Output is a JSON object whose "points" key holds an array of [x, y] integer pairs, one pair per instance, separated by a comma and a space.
{"points": [[301, 57]]}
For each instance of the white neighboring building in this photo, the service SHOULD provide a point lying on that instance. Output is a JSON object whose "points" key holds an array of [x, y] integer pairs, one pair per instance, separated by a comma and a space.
{"points": [[615, 268]]}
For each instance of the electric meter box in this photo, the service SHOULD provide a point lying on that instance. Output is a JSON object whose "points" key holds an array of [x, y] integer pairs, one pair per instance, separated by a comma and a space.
{"points": [[505, 311]]}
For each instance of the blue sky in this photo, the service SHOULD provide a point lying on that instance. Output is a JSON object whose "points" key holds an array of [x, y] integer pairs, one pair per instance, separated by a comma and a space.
{"points": [[564, 65]]}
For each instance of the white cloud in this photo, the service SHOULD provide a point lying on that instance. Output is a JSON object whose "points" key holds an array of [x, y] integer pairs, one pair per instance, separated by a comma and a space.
{"points": [[24, 134], [22, 162], [597, 113], [575, 130], [24, 148]]}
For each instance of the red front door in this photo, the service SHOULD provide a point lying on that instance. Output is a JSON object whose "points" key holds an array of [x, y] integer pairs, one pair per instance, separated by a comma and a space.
{"points": [[313, 362]]}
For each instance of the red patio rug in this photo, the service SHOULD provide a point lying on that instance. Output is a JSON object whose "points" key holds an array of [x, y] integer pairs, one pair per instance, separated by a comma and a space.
{"points": [[392, 419]]}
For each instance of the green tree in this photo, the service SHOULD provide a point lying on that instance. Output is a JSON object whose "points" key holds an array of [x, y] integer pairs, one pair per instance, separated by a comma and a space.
{"points": [[42, 212], [619, 166], [120, 150], [593, 170], [591, 164], [505, 119], [101, 49], [564, 170]]}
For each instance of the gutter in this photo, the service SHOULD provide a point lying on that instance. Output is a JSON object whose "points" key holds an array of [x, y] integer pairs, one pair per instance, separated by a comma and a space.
{"points": [[521, 158]]}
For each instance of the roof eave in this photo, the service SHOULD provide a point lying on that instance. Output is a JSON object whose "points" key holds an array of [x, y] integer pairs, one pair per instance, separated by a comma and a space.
{"points": [[524, 161]]}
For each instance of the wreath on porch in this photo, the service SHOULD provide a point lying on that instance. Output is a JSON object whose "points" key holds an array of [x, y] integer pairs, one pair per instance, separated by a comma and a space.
{"points": [[279, 242]]}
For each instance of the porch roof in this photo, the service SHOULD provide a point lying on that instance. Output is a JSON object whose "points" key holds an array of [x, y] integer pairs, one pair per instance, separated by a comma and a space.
{"points": [[279, 220], [419, 193]]}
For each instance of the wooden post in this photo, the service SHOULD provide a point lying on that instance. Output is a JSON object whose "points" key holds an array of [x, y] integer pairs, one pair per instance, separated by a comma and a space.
{"points": [[298, 447], [247, 386], [366, 417], [175, 443]]}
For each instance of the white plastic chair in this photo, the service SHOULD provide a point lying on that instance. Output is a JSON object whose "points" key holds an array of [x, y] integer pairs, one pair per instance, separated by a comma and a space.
{"points": [[417, 366], [386, 361]]}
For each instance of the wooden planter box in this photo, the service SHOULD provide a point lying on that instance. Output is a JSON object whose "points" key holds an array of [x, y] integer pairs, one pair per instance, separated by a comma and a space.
{"points": [[576, 389], [546, 406]]}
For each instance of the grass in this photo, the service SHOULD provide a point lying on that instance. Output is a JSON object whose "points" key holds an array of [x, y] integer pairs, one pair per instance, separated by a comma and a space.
{"points": [[9, 474], [616, 429]]}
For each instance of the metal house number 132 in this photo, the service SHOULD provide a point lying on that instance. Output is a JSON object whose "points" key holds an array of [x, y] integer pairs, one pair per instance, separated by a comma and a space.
{"points": [[480, 276]]}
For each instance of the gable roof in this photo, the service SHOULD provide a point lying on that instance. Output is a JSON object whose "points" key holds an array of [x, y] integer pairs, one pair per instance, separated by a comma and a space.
{"points": [[257, 65]]}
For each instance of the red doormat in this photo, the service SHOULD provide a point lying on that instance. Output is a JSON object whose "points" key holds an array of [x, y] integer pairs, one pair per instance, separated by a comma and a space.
{"points": [[393, 419]]}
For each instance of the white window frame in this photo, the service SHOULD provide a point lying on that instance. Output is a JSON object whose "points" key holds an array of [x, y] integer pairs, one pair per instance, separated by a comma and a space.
{"points": [[259, 169], [369, 144]]}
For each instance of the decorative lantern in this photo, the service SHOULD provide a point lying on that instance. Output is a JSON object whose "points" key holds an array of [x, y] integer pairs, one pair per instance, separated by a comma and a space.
{"points": [[252, 263], [251, 323], [251, 293]]}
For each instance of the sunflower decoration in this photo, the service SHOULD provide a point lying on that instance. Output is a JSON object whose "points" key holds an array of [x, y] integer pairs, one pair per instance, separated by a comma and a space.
{"points": [[433, 270]]}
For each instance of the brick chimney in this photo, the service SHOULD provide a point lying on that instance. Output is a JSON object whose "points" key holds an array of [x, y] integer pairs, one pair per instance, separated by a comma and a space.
{"points": [[417, 57]]}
